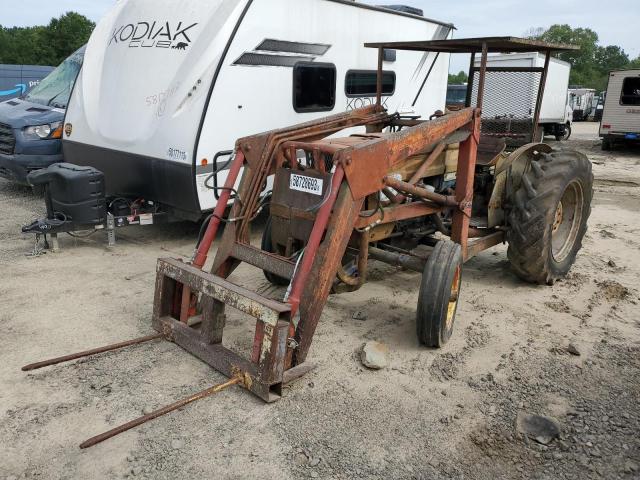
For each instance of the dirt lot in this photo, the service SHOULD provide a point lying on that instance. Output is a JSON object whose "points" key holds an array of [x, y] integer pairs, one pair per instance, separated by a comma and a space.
{"points": [[430, 415]]}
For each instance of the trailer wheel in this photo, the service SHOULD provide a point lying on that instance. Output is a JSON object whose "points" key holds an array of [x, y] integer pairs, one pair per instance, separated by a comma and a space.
{"points": [[606, 144], [439, 293], [267, 246], [548, 216]]}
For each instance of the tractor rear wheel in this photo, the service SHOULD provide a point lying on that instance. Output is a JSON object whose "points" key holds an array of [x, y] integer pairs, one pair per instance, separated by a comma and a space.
{"points": [[439, 292], [268, 246], [548, 216]]}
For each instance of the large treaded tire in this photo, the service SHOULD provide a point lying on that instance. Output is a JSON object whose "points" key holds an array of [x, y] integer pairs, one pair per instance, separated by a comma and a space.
{"points": [[536, 253], [439, 294]]}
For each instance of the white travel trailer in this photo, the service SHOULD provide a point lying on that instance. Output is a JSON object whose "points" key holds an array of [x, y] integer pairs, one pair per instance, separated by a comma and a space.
{"points": [[582, 102], [555, 113], [621, 114], [168, 86]]}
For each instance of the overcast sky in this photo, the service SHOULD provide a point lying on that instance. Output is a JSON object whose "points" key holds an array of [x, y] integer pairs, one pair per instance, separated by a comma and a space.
{"points": [[615, 21]]}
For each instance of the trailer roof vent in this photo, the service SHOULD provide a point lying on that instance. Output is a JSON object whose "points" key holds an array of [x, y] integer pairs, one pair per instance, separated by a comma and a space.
{"points": [[405, 9]]}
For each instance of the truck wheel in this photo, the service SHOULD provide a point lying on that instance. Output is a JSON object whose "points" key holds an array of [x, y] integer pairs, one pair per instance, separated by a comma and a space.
{"points": [[267, 246], [439, 293], [567, 133], [548, 216]]}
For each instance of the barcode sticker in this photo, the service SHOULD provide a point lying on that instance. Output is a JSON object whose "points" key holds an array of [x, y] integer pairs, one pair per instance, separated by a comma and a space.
{"points": [[306, 184]]}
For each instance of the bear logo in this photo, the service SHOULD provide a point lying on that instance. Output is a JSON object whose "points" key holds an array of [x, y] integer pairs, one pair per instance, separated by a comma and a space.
{"points": [[180, 46]]}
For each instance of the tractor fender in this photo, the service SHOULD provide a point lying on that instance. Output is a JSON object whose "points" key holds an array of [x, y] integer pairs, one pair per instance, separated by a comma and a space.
{"points": [[508, 176]]}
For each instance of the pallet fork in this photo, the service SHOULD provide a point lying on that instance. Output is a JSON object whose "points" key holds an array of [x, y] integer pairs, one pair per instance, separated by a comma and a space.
{"points": [[326, 202]]}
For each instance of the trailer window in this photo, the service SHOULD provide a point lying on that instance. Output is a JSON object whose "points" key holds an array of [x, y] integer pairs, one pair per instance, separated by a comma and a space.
{"points": [[314, 87], [630, 91], [363, 83]]}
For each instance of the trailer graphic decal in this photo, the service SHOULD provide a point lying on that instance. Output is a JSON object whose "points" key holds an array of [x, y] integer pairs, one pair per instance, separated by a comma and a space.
{"points": [[281, 53], [153, 35]]}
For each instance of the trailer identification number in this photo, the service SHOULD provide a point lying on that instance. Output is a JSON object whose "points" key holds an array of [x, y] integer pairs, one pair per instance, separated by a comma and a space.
{"points": [[306, 184]]}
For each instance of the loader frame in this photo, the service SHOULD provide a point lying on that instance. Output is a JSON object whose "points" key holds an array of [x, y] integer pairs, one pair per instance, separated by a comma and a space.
{"points": [[358, 172]]}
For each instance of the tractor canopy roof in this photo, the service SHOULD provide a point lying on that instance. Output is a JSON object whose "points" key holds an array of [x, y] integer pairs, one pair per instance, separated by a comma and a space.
{"points": [[475, 45]]}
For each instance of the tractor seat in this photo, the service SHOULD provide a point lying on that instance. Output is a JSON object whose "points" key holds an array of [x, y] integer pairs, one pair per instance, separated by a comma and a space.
{"points": [[489, 150]]}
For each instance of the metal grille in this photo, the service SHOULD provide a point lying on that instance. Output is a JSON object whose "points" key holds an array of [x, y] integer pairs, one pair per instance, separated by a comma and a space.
{"points": [[509, 104], [7, 139]]}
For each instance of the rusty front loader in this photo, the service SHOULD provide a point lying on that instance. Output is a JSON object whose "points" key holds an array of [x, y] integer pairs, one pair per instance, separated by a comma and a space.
{"points": [[338, 202]]}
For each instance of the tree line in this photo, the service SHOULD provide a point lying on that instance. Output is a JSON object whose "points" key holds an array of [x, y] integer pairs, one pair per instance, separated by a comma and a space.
{"points": [[51, 44], [45, 45], [590, 66]]}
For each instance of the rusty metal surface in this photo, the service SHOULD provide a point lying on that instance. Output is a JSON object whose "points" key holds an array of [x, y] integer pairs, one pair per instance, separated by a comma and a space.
{"points": [[356, 281], [479, 245], [378, 157], [88, 353], [464, 184], [420, 192], [300, 282], [293, 212], [475, 45], [283, 267], [399, 212], [412, 262], [420, 173], [323, 271], [541, 89], [161, 411], [247, 301], [489, 150]]}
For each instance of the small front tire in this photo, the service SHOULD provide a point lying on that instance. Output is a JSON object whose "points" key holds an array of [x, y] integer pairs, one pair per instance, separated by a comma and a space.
{"points": [[439, 294]]}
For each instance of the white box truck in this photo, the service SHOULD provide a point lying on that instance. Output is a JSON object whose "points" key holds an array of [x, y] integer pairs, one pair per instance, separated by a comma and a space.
{"points": [[582, 101], [621, 114], [555, 113]]}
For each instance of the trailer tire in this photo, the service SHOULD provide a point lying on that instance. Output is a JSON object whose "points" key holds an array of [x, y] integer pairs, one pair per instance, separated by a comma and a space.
{"points": [[439, 294], [547, 216], [606, 144], [267, 246]]}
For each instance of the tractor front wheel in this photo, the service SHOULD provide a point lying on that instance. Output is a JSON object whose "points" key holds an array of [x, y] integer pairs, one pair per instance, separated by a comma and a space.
{"points": [[548, 216], [439, 293]]}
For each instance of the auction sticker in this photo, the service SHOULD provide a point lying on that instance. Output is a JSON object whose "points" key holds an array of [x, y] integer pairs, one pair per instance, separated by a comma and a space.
{"points": [[306, 184]]}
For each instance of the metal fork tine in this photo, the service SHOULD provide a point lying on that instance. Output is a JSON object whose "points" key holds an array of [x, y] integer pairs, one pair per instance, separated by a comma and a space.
{"points": [[162, 411], [88, 353]]}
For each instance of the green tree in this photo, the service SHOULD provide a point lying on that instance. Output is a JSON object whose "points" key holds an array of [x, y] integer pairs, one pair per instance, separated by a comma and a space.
{"points": [[611, 57], [66, 34], [45, 45], [634, 63], [459, 78], [591, 64]]}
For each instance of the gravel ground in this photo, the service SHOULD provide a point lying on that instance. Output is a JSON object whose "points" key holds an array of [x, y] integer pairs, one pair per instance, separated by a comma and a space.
{"points": [[570, 352]]}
